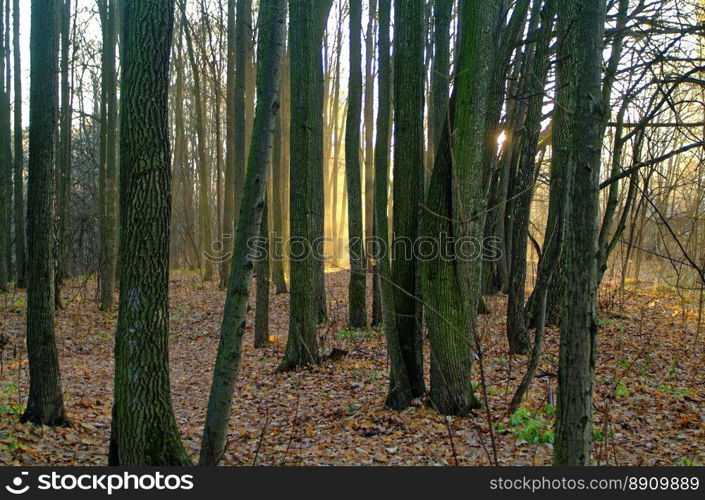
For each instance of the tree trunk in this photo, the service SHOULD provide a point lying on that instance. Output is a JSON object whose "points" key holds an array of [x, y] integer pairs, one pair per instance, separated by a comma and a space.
{"points": [[440, 72], [534, 83], [408, 172], [239, 30], [356, 288], [270, 51], [305, 33], [399, 394], [109, 161], [5, 167], [205, 237], [579, 326], [144, 431], [455, 203], [277, 203], [18, 158], [322, 12], [262, 292], [45, 404]]}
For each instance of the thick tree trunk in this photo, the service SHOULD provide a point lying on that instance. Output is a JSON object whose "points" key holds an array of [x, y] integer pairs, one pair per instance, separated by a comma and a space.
{"points": [[45, 404], [455, 202], [408, 173], [356, 288], [579, 326], [144, 429], [227, 365]]}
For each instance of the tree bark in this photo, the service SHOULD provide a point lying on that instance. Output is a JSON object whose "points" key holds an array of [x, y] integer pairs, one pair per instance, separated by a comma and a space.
{"points": [[579, 325], [270, 51], [262, 292], [305, 32], [45, 404], [357, 285], [455, 204], [144, 431], [18, 158], [204, 227], [408, 174], [399, 394], [108, 133]]}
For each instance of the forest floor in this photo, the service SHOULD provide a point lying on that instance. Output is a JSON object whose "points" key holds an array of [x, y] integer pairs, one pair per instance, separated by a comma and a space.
{"points": [[649, 388]]}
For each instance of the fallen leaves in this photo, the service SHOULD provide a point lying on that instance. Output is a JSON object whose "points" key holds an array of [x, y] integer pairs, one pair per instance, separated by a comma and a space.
{"points": [[332, 414]]}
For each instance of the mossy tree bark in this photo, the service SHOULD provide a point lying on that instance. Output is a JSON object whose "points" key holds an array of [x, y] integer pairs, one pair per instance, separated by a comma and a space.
{"points": [[451, 283], [356, 287], [579, 324], [270, 52], [144, 429], [45, 404], [408, 174]]}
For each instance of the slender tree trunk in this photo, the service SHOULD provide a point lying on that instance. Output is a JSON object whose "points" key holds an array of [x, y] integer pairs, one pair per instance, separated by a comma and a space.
{"points": [[369, 158], [7, 125], [408, 172], [63, 167], [579, 326], [5, 166], [399, 394], [109, 135], [440, 72], [262, 292], [356, 288], [18, 158], [144, 430], [229, 180], [322, 11], [239, 31], [45, 404], [535, 81], [205, 236], [271, 48], [305, 33], [277, 203]]}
